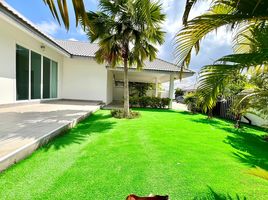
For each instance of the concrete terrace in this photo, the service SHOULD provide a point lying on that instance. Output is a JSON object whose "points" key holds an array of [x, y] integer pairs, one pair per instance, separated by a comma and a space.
{"points": [[23, 128]]}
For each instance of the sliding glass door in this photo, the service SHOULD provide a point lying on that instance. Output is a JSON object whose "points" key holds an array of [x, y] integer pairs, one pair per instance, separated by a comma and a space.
{"points": [[46, 78], [36, 76], [54, 80], [22, 73], [50, 79]]}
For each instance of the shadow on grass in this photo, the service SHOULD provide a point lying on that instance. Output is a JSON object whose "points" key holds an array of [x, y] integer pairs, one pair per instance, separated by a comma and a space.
{"points": [[212, 195], [251, 148], [96, 123]]}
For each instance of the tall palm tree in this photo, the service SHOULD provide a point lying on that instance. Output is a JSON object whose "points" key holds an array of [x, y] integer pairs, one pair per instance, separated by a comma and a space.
{"points": [[125, 35], [59, 10]]}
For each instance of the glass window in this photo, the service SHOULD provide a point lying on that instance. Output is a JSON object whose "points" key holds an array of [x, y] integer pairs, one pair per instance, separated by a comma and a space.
{"points": [[54, 80], [50, 75], [22, 73], [35, 75], [46, 78]]}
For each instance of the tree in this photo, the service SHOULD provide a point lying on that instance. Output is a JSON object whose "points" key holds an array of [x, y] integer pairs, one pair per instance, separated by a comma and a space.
{"points": [[62, 8], [248, 18], [252, 56], [125, 35], [238, 15], [60, 11]]}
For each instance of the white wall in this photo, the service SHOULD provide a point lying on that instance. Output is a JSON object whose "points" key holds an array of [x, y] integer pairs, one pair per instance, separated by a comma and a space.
{"points": [[10, 35], [110, 87], [84, 79], [118, 93], [255, 120]]}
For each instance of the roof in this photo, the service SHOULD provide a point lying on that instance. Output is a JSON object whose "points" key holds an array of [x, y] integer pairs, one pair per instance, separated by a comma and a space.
{"points": [[87, 49], [78, 48], [30, 26]]}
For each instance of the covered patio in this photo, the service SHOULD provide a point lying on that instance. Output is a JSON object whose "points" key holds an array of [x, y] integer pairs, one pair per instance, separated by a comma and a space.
{"points": [[156, 73]]}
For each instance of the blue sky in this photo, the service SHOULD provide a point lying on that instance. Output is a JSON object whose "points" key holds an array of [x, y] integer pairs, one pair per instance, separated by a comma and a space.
{"points": [[213, 47]]}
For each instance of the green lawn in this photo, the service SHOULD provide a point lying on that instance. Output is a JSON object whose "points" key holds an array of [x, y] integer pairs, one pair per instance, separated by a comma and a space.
{"points": [[163, 152]]}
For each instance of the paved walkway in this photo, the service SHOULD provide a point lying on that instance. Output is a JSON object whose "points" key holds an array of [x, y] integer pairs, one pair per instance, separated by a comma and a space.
{"points": [[25, 125]]}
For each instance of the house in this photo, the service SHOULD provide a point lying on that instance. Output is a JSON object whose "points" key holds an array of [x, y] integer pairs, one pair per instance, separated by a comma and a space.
{"points": [[35, 67]]}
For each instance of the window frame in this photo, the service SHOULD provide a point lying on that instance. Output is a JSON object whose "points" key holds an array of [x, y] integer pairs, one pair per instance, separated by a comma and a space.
{"points": [[29, 79]]}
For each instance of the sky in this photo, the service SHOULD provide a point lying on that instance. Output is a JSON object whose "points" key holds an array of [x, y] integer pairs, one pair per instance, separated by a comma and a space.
{"points": [[214, 46]]}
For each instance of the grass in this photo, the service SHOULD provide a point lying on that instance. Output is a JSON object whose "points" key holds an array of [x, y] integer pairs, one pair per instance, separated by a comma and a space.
{"points": [[162, 152]]}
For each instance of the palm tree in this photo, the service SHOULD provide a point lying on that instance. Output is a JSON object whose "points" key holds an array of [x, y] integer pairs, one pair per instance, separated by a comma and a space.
{"points": [[248, 18], [236, 14], [252, 48], [125, 35], [79, 8], [59, 10]]}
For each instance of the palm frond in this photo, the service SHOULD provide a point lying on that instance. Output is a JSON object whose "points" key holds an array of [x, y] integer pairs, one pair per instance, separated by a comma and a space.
{"points": [[232, 13], [78, 6]]}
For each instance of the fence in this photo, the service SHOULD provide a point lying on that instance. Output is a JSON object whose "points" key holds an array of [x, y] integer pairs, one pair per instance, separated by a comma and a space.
{"points": [[222, 109]]}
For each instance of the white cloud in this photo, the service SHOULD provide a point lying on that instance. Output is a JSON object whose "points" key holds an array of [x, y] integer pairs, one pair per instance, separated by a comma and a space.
{"points": [[50, 27], [72, 39]]}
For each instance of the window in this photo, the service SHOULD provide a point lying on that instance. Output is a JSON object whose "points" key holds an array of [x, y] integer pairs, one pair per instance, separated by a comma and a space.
{"points": [[35, 76], [54, 80], [22, 73], [46, 78], [29, 75], [50, 78]]}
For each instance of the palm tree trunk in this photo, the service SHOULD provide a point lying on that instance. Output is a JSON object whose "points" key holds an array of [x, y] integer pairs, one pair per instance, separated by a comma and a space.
{"points": [[126, 88]]}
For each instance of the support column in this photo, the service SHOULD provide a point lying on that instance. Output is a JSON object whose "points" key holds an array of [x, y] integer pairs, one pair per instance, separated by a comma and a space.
{"points": [[171, 89], [156, 87]]}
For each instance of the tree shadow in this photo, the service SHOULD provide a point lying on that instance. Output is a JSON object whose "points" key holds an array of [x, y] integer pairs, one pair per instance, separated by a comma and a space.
{"points": [[212, 195], [251, 148], [96, 123]]}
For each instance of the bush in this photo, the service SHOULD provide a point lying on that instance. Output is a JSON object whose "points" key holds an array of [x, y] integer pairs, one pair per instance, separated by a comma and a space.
{"points": [[165, 102], [153, 102], [133, 101], [144, 102], [191, 100], [120, 114], [178, 92]]}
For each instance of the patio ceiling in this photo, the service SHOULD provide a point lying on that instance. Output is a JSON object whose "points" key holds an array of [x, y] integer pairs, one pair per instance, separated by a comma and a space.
{"points": [[147, 76]]}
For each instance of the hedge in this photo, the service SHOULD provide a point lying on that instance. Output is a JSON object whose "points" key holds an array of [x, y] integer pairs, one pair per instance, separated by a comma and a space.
{"points": [[152, 102]]}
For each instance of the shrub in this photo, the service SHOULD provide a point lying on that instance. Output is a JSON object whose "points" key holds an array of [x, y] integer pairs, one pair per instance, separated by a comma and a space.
{"points": [[155, 102], [191, 100], [144, 102], [164, 102], [133, 101], [120, 114], [178, 92]]}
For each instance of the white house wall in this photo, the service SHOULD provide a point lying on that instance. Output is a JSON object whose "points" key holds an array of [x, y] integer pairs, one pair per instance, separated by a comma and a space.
{"points": [[110, 87], [84, 79], [10, 35]]}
